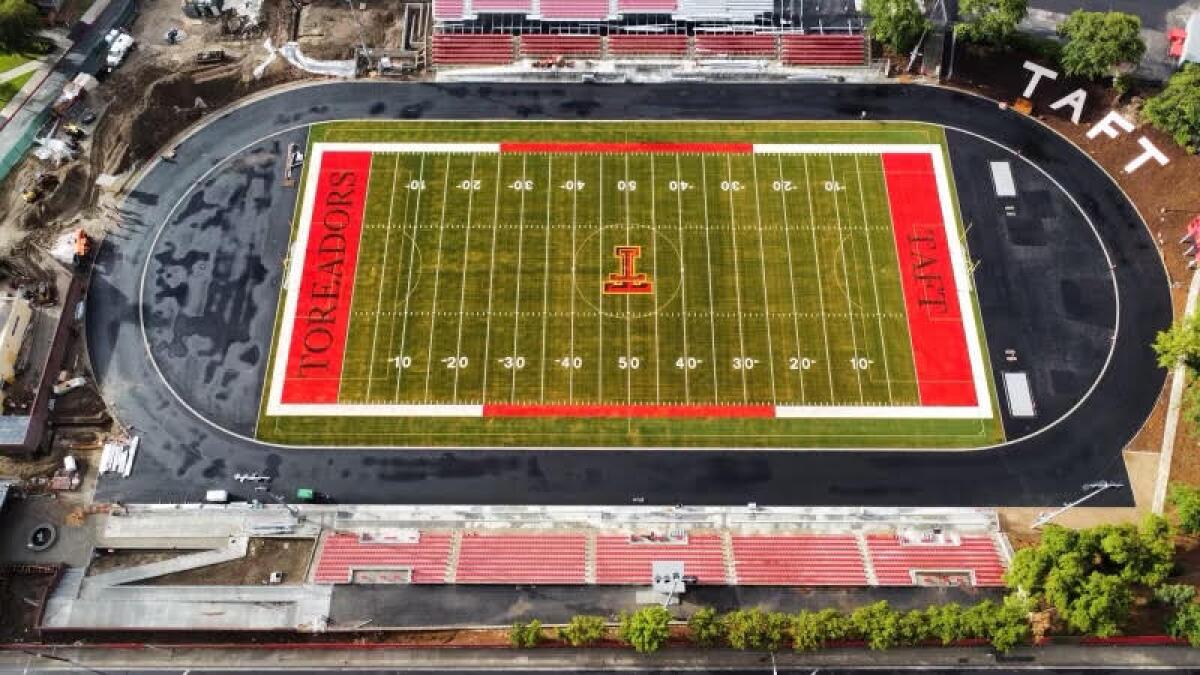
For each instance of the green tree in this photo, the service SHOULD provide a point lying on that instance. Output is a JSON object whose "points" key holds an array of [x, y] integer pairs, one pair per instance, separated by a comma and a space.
{"points": [[19, 23], [705, 627], [525, 635], [1175, 595], [1180, 342], [755, 629], [1099, 42], [896, 23], [990, 21], [878, 624], [1010, 623], [945, 622], [1186, 624], [583, 630], [1186, 500], [914, 627], [1176, 111], [647, 629], [1101, 606]]}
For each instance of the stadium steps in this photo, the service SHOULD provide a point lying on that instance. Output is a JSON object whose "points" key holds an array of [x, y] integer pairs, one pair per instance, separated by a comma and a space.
{"points": [[452, 557], [727, 556], [865, 554], [589, 565]]}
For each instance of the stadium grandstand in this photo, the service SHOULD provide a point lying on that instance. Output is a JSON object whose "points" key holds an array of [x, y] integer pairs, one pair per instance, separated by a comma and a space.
{"points": [[800, 33]]}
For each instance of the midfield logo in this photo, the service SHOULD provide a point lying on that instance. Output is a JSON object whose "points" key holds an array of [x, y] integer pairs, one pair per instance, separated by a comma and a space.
{"points": [[628, 281]]}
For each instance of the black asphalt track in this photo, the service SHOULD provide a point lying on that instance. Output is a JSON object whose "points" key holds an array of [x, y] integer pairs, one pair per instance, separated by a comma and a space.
{"points": [[214, 273]]}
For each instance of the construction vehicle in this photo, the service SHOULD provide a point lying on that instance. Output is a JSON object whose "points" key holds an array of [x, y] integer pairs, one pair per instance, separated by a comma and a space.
{"points": [[120, 44], [74, 130], [41, 184], [210, 56]]}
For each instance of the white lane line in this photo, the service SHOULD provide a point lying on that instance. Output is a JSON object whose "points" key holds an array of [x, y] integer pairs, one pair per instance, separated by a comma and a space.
{"points": [[712, 312], [628, 309], [887, 374], [546, 277], [574, 252], [762, 263], [487, 336], [812, 219], [412, 259], [842, 240], [462, 291], [654, 276], [387, 238], [437, 269], [787, 237], [600, 302]]}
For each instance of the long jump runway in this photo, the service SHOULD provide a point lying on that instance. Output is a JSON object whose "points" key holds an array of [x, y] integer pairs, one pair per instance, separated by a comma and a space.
{"points": [[1044, 286]]}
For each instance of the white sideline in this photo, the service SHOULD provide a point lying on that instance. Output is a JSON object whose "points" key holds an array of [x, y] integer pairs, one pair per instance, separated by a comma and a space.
{"points": [[982, 409]]}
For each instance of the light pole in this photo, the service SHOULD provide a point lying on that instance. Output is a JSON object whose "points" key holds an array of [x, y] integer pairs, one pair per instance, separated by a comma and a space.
{"points": [[1093, 489]]}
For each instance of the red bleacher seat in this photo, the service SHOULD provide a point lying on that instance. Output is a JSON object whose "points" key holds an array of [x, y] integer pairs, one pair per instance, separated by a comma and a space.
{"points": [[522, 558], [340, 554], [824, 50], [894, 561], [447, 9], [799, 560], [725, 44], [647, 6], [647, 45], [574, 9], [464, 48], [560, 45], [521, 6], [620, 562]]}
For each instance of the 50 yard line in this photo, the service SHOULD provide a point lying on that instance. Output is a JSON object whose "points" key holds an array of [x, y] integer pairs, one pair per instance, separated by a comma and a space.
{"points": [[654, 275], [628, 310], [487, 338]]}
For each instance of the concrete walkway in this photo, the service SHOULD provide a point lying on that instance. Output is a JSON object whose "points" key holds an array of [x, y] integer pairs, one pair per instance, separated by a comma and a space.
{"points": [[235, 549], [14, 73]]}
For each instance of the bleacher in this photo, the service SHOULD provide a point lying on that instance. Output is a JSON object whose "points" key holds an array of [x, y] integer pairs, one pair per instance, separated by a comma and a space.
{"points": [[896, 561], [502, 6], [522, 558], [798, 560], [478, 49], [646, 6], [450, 10], [823, 50], [574, 9], [561, 45], [341, 554], [618, 561], [647, 45], [735, 45]]}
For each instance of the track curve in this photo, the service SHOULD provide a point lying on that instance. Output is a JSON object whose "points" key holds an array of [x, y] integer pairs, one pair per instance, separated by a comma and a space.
{"points": [[182, 455]]}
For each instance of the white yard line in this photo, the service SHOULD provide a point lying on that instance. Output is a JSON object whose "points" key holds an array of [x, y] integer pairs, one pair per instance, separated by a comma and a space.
{"points": [[737, 283], [600, 302], [462, 291], [574, 252], [887, 374], [412, 259], [837, 211], [487, 336], [762, 263], [628, 311], [512, 392], [387, 238], [437, 268], [712, 322], [682, 281], [546, 278], [654, 276], [787, 237], [812, 221]]}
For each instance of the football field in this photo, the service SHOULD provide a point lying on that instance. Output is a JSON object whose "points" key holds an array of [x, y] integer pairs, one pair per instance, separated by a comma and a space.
{"points": [[628, 284]]}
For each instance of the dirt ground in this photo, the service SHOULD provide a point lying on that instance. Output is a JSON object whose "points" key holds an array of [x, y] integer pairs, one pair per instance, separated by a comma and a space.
{"points": [[290, 556], [19, 598]]}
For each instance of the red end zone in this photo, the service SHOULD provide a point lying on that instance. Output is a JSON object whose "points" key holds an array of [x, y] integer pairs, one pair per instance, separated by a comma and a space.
{"points": [[318, 331], [935, 324]]}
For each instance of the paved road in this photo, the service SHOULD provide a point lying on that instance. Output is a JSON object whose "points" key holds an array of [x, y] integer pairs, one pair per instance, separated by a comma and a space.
{"points": [[216, 280]]}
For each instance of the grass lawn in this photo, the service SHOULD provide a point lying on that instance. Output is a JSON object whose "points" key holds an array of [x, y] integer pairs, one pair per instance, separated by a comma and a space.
{"points": [[481, 279], [8, 90], [10, 60]]}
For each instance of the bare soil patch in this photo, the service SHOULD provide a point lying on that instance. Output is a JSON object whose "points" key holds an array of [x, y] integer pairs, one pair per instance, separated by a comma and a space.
{"points": [[264, 556]]}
